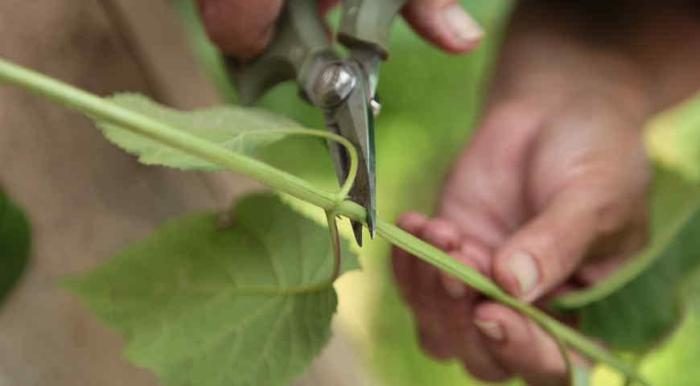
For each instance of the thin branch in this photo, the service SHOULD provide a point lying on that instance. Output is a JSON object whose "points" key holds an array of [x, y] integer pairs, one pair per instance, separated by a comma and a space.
{"points": [[105, 110]]}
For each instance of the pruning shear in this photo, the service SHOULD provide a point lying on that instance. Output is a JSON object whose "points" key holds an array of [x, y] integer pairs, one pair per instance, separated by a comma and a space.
{"points": [[344, 88]]}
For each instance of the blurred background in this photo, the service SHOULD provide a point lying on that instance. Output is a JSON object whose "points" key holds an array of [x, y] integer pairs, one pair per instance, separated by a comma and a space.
{"points": [[431, 102]]}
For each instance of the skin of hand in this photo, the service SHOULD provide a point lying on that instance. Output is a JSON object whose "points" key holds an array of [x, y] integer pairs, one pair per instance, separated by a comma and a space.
{"points": [[547, 196], [243, 28], [550, 194]]}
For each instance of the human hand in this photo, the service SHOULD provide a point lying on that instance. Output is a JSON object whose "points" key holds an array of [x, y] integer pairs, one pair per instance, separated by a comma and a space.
{"points": [[549, 195], [244, 28]]}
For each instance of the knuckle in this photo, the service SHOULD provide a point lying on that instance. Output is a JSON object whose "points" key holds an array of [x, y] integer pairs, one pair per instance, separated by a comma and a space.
{"points": [[543, 245]]}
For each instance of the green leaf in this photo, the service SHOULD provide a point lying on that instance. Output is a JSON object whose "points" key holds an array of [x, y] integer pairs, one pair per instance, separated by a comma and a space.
{"points": [[240, 129], [14, 244], [676, 362], [643, 302], [206, 305]]}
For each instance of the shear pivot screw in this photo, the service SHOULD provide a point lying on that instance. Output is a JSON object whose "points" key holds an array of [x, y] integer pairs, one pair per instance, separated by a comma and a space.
{"points": [[334, 85]]}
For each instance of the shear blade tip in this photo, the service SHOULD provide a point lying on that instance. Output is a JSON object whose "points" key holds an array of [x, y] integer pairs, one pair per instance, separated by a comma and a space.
{"points": [[357, 231]]}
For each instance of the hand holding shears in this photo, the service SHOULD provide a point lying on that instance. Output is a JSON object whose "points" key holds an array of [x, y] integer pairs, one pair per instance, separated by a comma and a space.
{"points": [[343, 88]]}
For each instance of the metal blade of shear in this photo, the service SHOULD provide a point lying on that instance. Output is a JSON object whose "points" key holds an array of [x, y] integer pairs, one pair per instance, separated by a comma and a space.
{"points": [[364, 30], [353, 120]]}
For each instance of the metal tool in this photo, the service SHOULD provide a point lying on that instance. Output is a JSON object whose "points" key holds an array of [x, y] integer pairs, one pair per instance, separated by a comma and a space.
{"points": [[343, 88]]}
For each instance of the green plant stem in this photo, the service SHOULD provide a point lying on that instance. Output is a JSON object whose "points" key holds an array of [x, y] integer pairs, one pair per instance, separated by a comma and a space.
{"points": [[566, 356], [352, 154], [100, 109], [335, 245], [443, 261], [104, 110]]}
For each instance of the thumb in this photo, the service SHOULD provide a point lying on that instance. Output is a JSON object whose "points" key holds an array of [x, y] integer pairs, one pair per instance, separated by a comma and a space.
{"points": [[547, 249], [240, 28], [444, 23]]}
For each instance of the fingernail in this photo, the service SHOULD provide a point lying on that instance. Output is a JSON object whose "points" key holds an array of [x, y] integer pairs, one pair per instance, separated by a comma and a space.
{"points": [[462, 27], [491, 329], [454, 287], [523, 267]]}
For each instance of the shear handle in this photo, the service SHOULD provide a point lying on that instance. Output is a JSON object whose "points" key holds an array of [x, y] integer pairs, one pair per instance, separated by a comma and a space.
{"points": [[368, 23], [298, 50]]}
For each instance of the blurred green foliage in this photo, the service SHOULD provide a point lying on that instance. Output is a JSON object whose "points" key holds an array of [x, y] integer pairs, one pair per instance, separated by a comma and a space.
{"points": [[430, 103], [14, 244], [642, 302], [675, 139]]}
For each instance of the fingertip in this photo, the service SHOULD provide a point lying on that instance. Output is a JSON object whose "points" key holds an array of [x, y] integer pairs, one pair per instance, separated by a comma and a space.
{"points": [[445, 24], [492, 321], [453, 287], [464, 32], [545, 251], [441, 233], [412, 222], [511, 335], [518, 273]]}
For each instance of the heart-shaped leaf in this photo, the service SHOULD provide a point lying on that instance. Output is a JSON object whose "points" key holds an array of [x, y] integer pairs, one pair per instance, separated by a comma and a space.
{"points": [[206, 305], [240, 129], [14, 244]]}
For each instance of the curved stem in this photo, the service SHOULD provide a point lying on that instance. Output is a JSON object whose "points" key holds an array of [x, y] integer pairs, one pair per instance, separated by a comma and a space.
{"points": [[443, 261], [352, 153], [566, 357], [335, 244], [281, 181]]}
